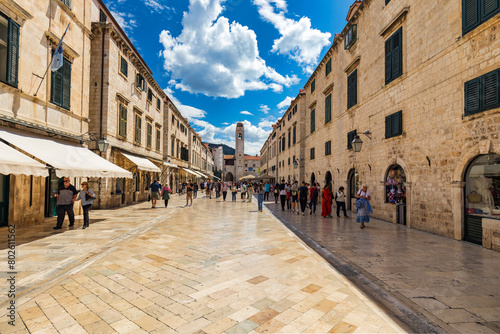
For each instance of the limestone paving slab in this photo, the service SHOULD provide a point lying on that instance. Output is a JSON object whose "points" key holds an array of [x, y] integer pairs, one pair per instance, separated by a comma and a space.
{"points": [[210, 268]]}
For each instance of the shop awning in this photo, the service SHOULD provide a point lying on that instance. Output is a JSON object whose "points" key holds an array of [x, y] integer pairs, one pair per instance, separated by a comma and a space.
{"points": [[191, 172], [142, 163], [14, 162], [168, 164], [67, 159]]}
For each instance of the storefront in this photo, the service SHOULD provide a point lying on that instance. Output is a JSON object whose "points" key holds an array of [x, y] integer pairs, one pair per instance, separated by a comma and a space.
{"points": [[353, 187], [482, 196], [395, 191]]}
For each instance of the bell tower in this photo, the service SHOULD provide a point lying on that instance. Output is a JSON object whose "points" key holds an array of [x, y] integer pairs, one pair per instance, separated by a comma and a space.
{"points": [[239, 154]]}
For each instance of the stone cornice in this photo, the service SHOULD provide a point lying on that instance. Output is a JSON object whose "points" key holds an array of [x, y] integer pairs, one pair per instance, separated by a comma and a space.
{"points": [[54, 41], [398, 19], [17, 9]]}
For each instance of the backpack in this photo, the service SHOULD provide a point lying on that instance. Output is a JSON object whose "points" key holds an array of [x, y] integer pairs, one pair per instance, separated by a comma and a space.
{"points": [[315, 194]]}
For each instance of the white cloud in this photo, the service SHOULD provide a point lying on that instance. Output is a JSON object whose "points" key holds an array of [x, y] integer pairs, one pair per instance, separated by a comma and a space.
{"points": [[126, 21], [217, 58], [244, 112], [264, 109], [266, 123], [283, 105], [189, 112], [225, 123], [298, 40], [155, 5]]}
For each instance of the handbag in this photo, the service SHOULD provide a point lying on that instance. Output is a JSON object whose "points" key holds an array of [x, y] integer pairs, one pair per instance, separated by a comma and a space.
{"points": [[474, 197], [89, 197]]}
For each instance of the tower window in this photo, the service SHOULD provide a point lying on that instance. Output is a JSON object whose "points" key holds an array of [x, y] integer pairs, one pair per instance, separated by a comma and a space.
{"points": [[240, 136]]}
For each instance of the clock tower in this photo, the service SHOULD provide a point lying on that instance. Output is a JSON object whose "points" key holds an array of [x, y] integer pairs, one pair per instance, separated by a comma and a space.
{"points": [[239, 154]]}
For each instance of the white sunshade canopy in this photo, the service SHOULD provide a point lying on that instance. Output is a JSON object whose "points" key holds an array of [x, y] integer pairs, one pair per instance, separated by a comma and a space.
{"points": [[191, 172], [142, 163], [68, 160], [168, 164], [14, 162]]}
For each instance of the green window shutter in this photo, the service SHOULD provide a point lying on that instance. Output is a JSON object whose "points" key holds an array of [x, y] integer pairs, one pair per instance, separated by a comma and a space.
{"points": [[124, 67], [472, 96], [123, 121], [397, 123], [388, 61], [352, 82], [328, 108], [158, 139], [294, 135], [328, 67], [66, 84], [388, 130], [490, 87], [397, 54], [350, 137], [489, 8], [13, 54], [56, 83], [289, 138], [313, 120], [313, 85], [470, 15]]}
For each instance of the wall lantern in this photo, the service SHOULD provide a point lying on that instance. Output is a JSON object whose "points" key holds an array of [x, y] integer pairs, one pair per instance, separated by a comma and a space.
{"points": [[357, 143]]}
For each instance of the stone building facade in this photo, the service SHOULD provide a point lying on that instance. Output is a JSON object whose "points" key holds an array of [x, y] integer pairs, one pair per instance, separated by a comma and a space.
{"points": [[417, 82]]}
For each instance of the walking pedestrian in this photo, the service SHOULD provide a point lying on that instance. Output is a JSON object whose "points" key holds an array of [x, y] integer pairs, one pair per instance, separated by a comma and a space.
{"points": [[260, 197], [224, 191], [313, 198], [234, 190], [303, 192], [363, 207], [154, 192], [195, 190], [288, 196], [66, 196], [267, 189], [250, 192], [87, 197], [165, 194], [276, 191], [294, 190], [340, 200], [283, 195], [326, 194], [189, 192]]}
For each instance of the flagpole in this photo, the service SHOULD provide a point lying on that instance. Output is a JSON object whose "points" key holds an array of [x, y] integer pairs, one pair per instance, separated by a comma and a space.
{"points": [[50, 64]]}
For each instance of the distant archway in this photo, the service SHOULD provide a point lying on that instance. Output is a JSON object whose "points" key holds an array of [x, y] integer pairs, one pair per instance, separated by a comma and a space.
{"points": [[329, 180], [313, 178], [229, 177]]}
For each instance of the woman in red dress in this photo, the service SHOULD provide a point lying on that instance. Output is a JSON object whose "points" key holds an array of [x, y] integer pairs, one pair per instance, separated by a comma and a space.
{"points": [[326, 194]]}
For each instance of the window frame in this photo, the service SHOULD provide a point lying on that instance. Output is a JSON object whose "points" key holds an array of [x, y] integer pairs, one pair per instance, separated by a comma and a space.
{"points": [[312, 154], [328, 108], [313, 85], [479, 16], [328, 67], [391, 57], [313, 120], [395, 119], [294, 135], [124, 66], [482, 93], [138, 128], [351, 37], [65, 82], [352, 89], [12, 71], [122, 121], [328, 148]]}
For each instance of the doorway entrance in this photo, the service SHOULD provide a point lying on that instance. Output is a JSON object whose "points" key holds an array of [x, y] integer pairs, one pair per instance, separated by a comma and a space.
{"points": [[353, 187], [52, 185], [313, 178], [4, 199], [329, 180]]}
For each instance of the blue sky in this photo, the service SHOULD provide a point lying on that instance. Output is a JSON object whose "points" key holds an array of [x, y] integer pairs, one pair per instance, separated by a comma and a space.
{"points": [[224, 61]]}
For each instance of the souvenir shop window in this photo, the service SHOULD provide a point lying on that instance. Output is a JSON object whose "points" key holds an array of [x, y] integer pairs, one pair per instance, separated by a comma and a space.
{"points": [[395, 189], [482, 187]]}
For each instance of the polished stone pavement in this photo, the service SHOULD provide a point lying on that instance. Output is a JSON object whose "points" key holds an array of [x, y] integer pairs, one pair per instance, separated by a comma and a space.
{"points": [[213, 267], [454, 284]]}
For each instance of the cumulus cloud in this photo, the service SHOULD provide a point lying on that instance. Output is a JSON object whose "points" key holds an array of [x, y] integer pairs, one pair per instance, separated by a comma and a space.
{"points": [[244, 112], [217, 58], [189, 112], [155, 5], [298, 40], [126, 21], [266, 123], [283, 105], [264, 109]]}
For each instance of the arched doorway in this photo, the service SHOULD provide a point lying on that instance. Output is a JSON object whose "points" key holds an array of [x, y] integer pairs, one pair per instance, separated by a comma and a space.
{"points": [[313, 179], [353, 186], [395, 191], [136, 181], [482, 195], [229, 177], [329, 180]]}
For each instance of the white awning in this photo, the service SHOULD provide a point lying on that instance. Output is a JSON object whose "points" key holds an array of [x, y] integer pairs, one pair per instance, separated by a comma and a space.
{"points": [[168, 164], [14, 162], [191, 171], [68, 160], [142, 163]]}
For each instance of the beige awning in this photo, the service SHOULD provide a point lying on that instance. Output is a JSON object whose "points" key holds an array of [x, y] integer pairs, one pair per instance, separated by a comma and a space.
{"points": [[168, 164], [191, 172], [67, 159], [14, 162], [142, 163]]}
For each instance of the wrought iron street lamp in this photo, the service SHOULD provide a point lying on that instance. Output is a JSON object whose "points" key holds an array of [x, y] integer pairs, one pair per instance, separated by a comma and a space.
{"points": [[357, 143], [102, 144]]}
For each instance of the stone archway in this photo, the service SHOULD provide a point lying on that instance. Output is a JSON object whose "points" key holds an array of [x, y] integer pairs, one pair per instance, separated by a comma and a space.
{"points": [[329, 180], [313, 178], [229, 177]]}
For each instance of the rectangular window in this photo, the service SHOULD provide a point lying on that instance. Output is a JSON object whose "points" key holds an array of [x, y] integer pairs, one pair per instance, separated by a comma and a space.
{"points": [[61, 85], [158, 103], [283, 144], [150, 95], [9, 51], [394, 125], [394, 56], [158, 139], [289, 138], [173, 120], [138, 128], [295, 109], [294, 134], [289, 115], [387, 1], [328, 67], [313, 86], [122, 128], [351, 36], [102, 17], [312, 153], [67, 3], [172, 146], [328, 108], [328, 147], [350, 137], [482, 93], [149, 141], [140, 83], [476, 12], [313, 120], [352, 89], [124, 66], [288, 161], [177, 150]]}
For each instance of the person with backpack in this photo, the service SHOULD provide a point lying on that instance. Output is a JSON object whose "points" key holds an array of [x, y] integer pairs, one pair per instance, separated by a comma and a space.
{"points": [[340, 200], [165, 194], [313, 198]]}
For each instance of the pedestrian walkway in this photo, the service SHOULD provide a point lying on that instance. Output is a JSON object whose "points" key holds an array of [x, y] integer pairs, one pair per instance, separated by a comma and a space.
{"points": [[419, 276], [213, 267]]}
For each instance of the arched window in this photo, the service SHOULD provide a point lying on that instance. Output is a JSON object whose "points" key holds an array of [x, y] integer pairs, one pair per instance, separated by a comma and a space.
{"points": [[240, 136]]}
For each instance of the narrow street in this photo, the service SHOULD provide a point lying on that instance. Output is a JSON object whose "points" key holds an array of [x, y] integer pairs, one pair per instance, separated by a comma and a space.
{"points": [[213, 267]]}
